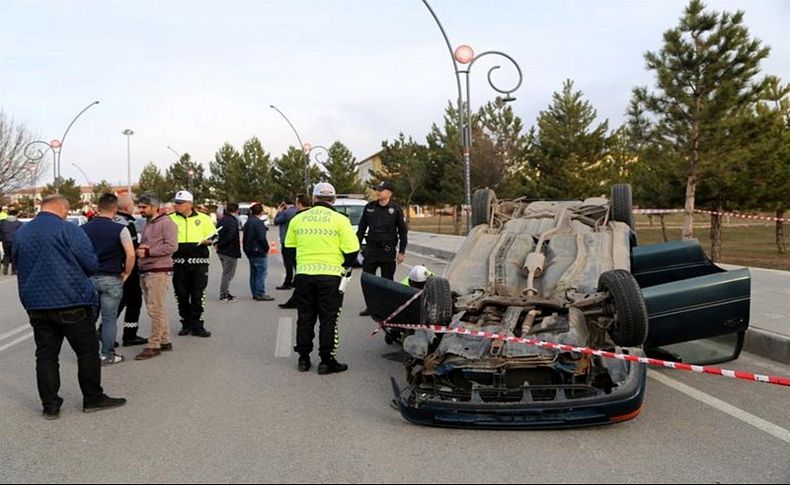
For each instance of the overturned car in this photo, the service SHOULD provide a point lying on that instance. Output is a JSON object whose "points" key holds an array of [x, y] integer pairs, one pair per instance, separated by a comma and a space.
{"points": [[567, 272]]}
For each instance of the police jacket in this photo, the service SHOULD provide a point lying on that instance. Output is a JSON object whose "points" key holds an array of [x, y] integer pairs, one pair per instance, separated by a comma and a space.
{"points": [[192, 230], [324, 240], [385, 227]]}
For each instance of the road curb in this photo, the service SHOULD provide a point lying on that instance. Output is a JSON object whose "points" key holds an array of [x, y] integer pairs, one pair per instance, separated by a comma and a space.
{"points": [[767, 344], [763, 343]]}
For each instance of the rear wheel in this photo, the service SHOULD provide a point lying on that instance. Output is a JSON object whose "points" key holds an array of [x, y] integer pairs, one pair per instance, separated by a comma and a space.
{"points": [[627, 305], [482, 203], [436, 305], [621, 203]]}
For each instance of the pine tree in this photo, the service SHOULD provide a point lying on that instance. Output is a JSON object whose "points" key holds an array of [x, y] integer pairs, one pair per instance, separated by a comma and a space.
{"points": [[153, 182], [404, 163], [341, 170], [103, 187], [567, 150], [500, 131], [220, 169], [68, 189], [444, 182], [177, 178], [250, 175], [705, 76], [289, 174]]}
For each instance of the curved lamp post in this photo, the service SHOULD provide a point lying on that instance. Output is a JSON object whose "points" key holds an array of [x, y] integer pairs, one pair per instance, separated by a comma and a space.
{"points": [[303, 145], [57, 148], [318, 153], [465, 56], [175, 152]]}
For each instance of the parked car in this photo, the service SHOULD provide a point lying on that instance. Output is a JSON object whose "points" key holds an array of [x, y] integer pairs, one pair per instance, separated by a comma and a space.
{"points": [[353, 208], [568, 272]]}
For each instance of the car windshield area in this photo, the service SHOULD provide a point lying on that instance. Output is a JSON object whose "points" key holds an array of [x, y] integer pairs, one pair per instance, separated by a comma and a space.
{"points": [[354, 212]]}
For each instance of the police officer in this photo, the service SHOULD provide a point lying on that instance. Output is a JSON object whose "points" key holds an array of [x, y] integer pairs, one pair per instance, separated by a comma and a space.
{"points": [[418, 276], [190, 273], [325, 248], [387, 233]]}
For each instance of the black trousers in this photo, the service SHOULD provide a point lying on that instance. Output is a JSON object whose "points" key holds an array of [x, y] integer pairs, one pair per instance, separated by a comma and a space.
{"points": [[387, 268], [132, 299], [318, 297], [77, 326], [7, 254], [289, 260], [190, 281]]}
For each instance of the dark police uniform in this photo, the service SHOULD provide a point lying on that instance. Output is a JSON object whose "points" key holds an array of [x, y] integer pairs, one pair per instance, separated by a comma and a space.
{"points": [[386, 233]]}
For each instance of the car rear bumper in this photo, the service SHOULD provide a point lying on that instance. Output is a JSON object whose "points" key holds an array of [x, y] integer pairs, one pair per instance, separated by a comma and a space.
{"points": [[620, 405]]}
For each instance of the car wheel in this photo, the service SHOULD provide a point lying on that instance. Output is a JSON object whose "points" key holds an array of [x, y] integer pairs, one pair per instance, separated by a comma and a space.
{"points": [[627, 305], [436, 305], [621, 205], [482, 202]]}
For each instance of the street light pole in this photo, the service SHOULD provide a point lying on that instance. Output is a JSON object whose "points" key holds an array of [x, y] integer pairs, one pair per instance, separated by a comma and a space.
{"points": [[128, 134], [191, 174], [465, 55], [63, 140], [175, 152], [301, 145]]}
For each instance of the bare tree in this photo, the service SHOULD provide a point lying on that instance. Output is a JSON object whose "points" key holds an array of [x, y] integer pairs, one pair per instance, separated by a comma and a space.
{"points": [[16, 168]]}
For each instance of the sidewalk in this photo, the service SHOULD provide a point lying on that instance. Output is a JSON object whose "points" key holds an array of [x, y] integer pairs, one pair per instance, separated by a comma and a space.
{"points": [[769, 330]]}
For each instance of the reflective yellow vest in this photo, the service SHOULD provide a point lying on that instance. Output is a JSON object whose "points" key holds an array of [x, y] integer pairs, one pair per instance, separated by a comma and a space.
{"points": [[321, 236]]}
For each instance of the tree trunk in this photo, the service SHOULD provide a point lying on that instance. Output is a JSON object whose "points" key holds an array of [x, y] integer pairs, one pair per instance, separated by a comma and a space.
{"points": [[457, 220], [715, 232], [691, 184], [780, 231], [663, 227]]}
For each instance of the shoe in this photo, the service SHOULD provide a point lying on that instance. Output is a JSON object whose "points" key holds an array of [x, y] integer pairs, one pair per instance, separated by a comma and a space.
{"points": [[106, 402], [364, 313], [50, 415], [263, 297], [148, 353], [130, 338], [166, 348], [304, 364], [201, 332], [285, 287], [115, 359], [185, 331], [227, 298], [287, 306], [331, 367], [54, 412]]}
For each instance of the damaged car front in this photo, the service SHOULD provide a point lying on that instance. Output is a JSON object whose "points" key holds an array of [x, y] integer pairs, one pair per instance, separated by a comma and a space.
{"points": [[553, 271]]}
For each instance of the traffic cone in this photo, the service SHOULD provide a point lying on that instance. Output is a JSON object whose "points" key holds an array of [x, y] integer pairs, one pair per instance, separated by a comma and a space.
{"points": [[273, 248]]}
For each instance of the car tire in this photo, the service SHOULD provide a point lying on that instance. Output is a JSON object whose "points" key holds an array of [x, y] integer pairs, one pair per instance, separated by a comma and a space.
{"points": [[627, 306], [621, 204], [482, 202], [436, 304]]}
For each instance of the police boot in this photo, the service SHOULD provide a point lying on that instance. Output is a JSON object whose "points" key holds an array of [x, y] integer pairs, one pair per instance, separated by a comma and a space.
{"points": [[199, 330], [130, 337], [331, 366], [186, 328], [304, 363]]}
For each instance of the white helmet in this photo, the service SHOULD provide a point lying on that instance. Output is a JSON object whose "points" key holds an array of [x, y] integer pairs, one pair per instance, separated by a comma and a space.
{"points": [[419, 274]]}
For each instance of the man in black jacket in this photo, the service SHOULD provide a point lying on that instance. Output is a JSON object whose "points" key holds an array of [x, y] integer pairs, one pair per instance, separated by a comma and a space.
{"points": [[387, 234], [132, 300], [256, 247], [8, 229], [228, 249]]}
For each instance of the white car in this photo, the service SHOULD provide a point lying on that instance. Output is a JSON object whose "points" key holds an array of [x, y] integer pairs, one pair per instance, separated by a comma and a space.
{"points": [[353, 208]]}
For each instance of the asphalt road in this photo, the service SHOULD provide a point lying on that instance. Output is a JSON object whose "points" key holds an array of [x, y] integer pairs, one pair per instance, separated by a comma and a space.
{"points": [[232, 408]]}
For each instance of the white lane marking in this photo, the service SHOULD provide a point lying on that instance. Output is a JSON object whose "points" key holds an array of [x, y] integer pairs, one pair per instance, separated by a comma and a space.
{"points": [[716, 403], [14, 342], [14, 332], [284, 335]]}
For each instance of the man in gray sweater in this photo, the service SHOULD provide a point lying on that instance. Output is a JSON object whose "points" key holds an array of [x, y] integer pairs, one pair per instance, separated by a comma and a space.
{"points": [[158, 244]]}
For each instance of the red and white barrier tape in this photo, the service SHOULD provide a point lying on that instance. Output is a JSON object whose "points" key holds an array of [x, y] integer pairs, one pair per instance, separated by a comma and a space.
{"points": [[385, 322], [700, 211], [747, 376]]}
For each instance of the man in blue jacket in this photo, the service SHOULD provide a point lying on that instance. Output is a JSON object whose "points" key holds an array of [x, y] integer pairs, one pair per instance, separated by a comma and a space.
{"points": [[285, 213], [54, 261], [256, 247]]}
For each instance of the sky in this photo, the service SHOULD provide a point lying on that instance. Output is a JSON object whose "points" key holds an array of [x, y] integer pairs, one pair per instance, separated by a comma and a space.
{"points": [[194, 74]]}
